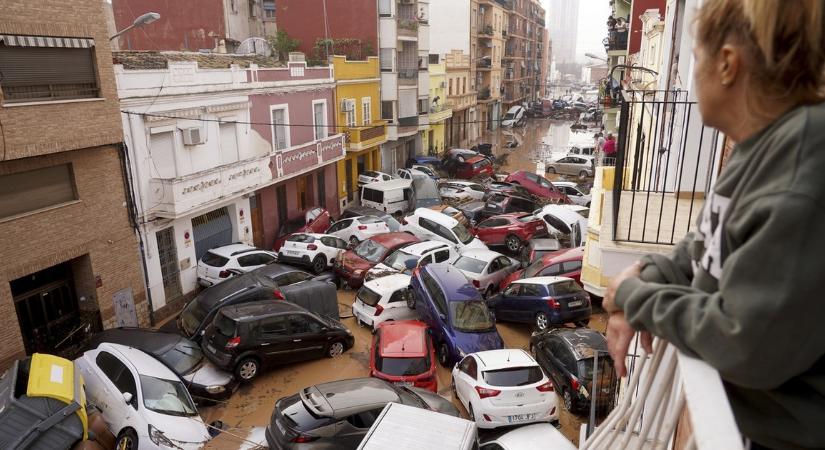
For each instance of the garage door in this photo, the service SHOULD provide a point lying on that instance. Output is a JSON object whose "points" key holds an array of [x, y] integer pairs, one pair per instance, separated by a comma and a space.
{"points": [[211, 230]]}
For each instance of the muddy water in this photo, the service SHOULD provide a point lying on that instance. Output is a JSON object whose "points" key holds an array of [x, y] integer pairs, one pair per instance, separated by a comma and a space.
{"points": [[248, 411]]}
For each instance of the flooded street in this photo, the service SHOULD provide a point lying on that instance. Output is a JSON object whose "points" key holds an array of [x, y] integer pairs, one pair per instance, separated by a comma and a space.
{"points": [[248, 411]]}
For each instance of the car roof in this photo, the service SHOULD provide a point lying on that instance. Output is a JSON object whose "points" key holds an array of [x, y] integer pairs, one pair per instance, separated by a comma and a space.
{"points": [[232, 249], [319, 235], [564, 183], [474, 159], [213, 295], [514, 109], [583, 341], [567, 254], [567, 215], [419, 248], [274, 269], [453, 282], [147, 340], [393, 240], [534, 437], [143, 363], [403, 339], [253, 310], [344, 397], [545, 244], [481, 254], [354, 211], [542, 280], [441, 219], [398, 183], [389, 283], [501, 359]]}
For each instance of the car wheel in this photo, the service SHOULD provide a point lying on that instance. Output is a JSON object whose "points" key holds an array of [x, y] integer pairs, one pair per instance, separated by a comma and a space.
{"points": [[533, 351], [319, 264], [551, 169], [247, 369], [127, 440], [587, 205], [471, 412], [353, 241], [542, 321], [582, 323], [335, 349], [582, 174], [513, 243], [568, 399], [443, 355], [488, 293]]}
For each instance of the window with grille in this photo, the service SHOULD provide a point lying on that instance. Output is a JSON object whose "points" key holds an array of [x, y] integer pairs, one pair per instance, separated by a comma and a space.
{"points": [[434, 58], [349, 117], [269, 9], [280, 133], [386, 110], [386, 59], [366, 106]]}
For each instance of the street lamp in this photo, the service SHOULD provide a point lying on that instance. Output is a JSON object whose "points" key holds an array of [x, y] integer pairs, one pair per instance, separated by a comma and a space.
{"points": [[600, 58], [144, 19]]}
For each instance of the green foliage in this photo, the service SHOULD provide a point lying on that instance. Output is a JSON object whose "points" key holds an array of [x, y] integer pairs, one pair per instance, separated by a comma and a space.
{"points": [[283, 44]]}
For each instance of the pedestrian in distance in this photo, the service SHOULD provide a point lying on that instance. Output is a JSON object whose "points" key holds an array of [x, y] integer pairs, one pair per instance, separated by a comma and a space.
{"points": [[610, 146], [743, 291]]}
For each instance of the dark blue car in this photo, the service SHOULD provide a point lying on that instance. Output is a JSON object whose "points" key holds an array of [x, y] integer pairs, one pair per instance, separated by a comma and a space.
{"points": [[432, 161], [455, 312], [543, 301]]}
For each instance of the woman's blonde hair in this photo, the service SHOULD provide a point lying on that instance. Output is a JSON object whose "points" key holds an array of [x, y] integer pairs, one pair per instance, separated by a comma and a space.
{"points": [[784, 42]]}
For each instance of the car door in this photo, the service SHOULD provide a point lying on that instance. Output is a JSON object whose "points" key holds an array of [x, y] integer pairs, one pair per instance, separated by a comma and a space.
{"points": [[554, 367], [332, 246], [505, 303], [561, 165], [273, 340], [397, 305], [529, 301], [465, 379], [339, 229], [114, 379], [491, 230], [503, 267], [308, 338], [572, 269]]}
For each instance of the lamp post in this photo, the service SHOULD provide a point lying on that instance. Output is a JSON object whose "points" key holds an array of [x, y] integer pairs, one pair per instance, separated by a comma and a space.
{"points": [[142, 20]]}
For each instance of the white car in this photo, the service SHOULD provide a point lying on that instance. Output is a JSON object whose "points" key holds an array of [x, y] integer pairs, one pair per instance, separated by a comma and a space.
{"points": [[372, 176], [462, 191], [410, 174], [316, 251], [581, 166], [406, 259], [537, 436], [426, 224], [503, 388], [563, 222], [573, 192], [514, 117], [383, 299], [219, 263], [356, 229], [485, 269], [425, 169], [143, 402]]}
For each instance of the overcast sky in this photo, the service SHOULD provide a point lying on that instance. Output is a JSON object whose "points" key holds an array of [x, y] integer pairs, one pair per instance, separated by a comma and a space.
{"points": [[592, 29]]}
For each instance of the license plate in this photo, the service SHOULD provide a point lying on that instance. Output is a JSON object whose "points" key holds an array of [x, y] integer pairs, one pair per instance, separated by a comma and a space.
{"points": [[520, 418], [403, 383], [210, 348], [575, 303], [291, 252]]}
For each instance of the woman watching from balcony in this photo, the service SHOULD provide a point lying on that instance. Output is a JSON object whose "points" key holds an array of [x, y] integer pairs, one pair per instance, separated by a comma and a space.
{"points": [[744, 291]]}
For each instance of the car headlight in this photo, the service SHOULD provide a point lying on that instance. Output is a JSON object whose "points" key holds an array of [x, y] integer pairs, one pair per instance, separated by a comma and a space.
{"points": [[157, 437], [215, 389], [357, 272]]}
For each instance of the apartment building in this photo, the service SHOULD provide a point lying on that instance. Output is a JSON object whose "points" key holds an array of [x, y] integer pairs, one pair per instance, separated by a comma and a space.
{"points": [[489, 25], [524, 52]]}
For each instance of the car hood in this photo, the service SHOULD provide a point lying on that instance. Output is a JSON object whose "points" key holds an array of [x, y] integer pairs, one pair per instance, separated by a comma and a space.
{"points": [[476, 243], [478, 342], [387, 270], [436, 402], [353, 262], [208, 375], [186, 432]]}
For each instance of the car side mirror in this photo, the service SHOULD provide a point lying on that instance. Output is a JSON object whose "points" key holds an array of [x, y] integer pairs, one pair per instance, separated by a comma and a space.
{"points": [[127, 397], [493, 316]]}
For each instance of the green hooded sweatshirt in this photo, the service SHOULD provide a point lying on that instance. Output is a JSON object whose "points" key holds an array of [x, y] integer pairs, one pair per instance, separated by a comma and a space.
{"points": [[745, 292]]}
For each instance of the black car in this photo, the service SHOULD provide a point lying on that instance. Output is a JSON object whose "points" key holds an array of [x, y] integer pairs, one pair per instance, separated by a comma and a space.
{"points": [[500, 203], [260, 284], [204, 381], [503, 187], [357, 211], [568, 357], [472, 211], [245, 338]]}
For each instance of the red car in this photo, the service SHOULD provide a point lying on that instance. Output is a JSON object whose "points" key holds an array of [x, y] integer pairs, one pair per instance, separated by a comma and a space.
{"points": [[477, 166], [538, 186], [403, 353], [353, 264], [563, 263], [511, 230], [315, 220]]}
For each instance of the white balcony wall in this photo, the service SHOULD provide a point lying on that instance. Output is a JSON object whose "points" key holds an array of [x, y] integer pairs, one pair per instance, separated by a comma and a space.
{"points": [[423, 39], [423, 84], [389, 86], [387, 32]]}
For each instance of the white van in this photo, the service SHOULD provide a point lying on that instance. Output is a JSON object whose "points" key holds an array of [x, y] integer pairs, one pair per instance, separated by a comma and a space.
{"points": [[402, 427], [392, 197]]}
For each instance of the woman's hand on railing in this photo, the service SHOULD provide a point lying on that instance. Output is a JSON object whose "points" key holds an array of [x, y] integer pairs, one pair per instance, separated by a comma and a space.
{"points": [[609, 302], [619, 336]]}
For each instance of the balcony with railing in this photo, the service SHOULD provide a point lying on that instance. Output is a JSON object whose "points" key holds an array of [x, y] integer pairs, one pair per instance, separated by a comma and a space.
{"points": [[360, 138], [616, 41], [439, 113]]}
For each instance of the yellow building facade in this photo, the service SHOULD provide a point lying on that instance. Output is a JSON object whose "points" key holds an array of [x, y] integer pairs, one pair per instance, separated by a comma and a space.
{"points": [[436, 138], [358, 114]]}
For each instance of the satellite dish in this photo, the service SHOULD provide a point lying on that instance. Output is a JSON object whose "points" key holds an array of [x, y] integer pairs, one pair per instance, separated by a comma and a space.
{"points": [[254, 46]]}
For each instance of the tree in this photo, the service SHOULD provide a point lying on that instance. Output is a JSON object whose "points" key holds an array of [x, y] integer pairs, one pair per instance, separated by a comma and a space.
{"points": [[283, 44]]}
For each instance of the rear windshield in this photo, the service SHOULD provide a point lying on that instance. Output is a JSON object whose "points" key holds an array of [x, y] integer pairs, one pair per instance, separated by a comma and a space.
{"points": [[565, 288], [305, 238], [369, 173], [471, 316], [508, 116], [298, 417], [605, 369], [513, 376], [224, 325], [368, 296], [526, 219], [470, 264], [211, 259], [371, 251], [183, 357], [402, 366]]}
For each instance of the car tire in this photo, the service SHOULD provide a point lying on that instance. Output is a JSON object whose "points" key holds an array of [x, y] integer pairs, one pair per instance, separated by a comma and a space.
{"points": [[551, 169], [335, 349], [587, 205], [582, 323], [319, 264], [567, 398], [542, 322], [488, 293], [583, 174], [443, 355], [247, 369], [513, 243], [127, 440]]}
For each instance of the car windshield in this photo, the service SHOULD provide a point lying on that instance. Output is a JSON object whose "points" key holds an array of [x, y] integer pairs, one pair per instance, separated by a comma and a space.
{"points": [[368, 296], [462, 234], [566, 288], [184, 357], [401, 260], [369, 173], [513, 376], [508, 116], [402, 366], [470, 264], [533, 268], [166, 397], [471, 316], [192, 316], [213, 260], [371, 251], [526, 219]]}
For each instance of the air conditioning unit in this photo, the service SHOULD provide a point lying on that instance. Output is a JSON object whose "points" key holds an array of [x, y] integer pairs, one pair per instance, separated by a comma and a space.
{"points": [[193, 136], [347, 105]]}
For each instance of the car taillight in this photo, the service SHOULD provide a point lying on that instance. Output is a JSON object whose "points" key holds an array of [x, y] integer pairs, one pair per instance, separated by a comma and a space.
{"points": [[485, 392], [553, 303], [224, 274], [278, 295], [234, 342], [312, 247], [378, 310], [362, 227], [574, 383], [476, 283], [546, 387], [303, 439]]}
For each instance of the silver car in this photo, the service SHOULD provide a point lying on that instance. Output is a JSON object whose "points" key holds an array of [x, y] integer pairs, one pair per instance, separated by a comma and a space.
{"points": [[485, 269], [338, 414], [581, 166]]}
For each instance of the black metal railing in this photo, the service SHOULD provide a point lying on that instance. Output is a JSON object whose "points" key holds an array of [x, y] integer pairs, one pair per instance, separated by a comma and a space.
{"points": [[664, 163]]}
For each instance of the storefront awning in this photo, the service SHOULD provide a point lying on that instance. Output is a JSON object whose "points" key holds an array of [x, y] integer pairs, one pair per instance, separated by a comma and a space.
{"points": [[46, 41]]}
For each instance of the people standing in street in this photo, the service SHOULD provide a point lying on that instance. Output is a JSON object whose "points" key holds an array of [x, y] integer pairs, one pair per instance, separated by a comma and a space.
{"points": [[743, 292]]}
